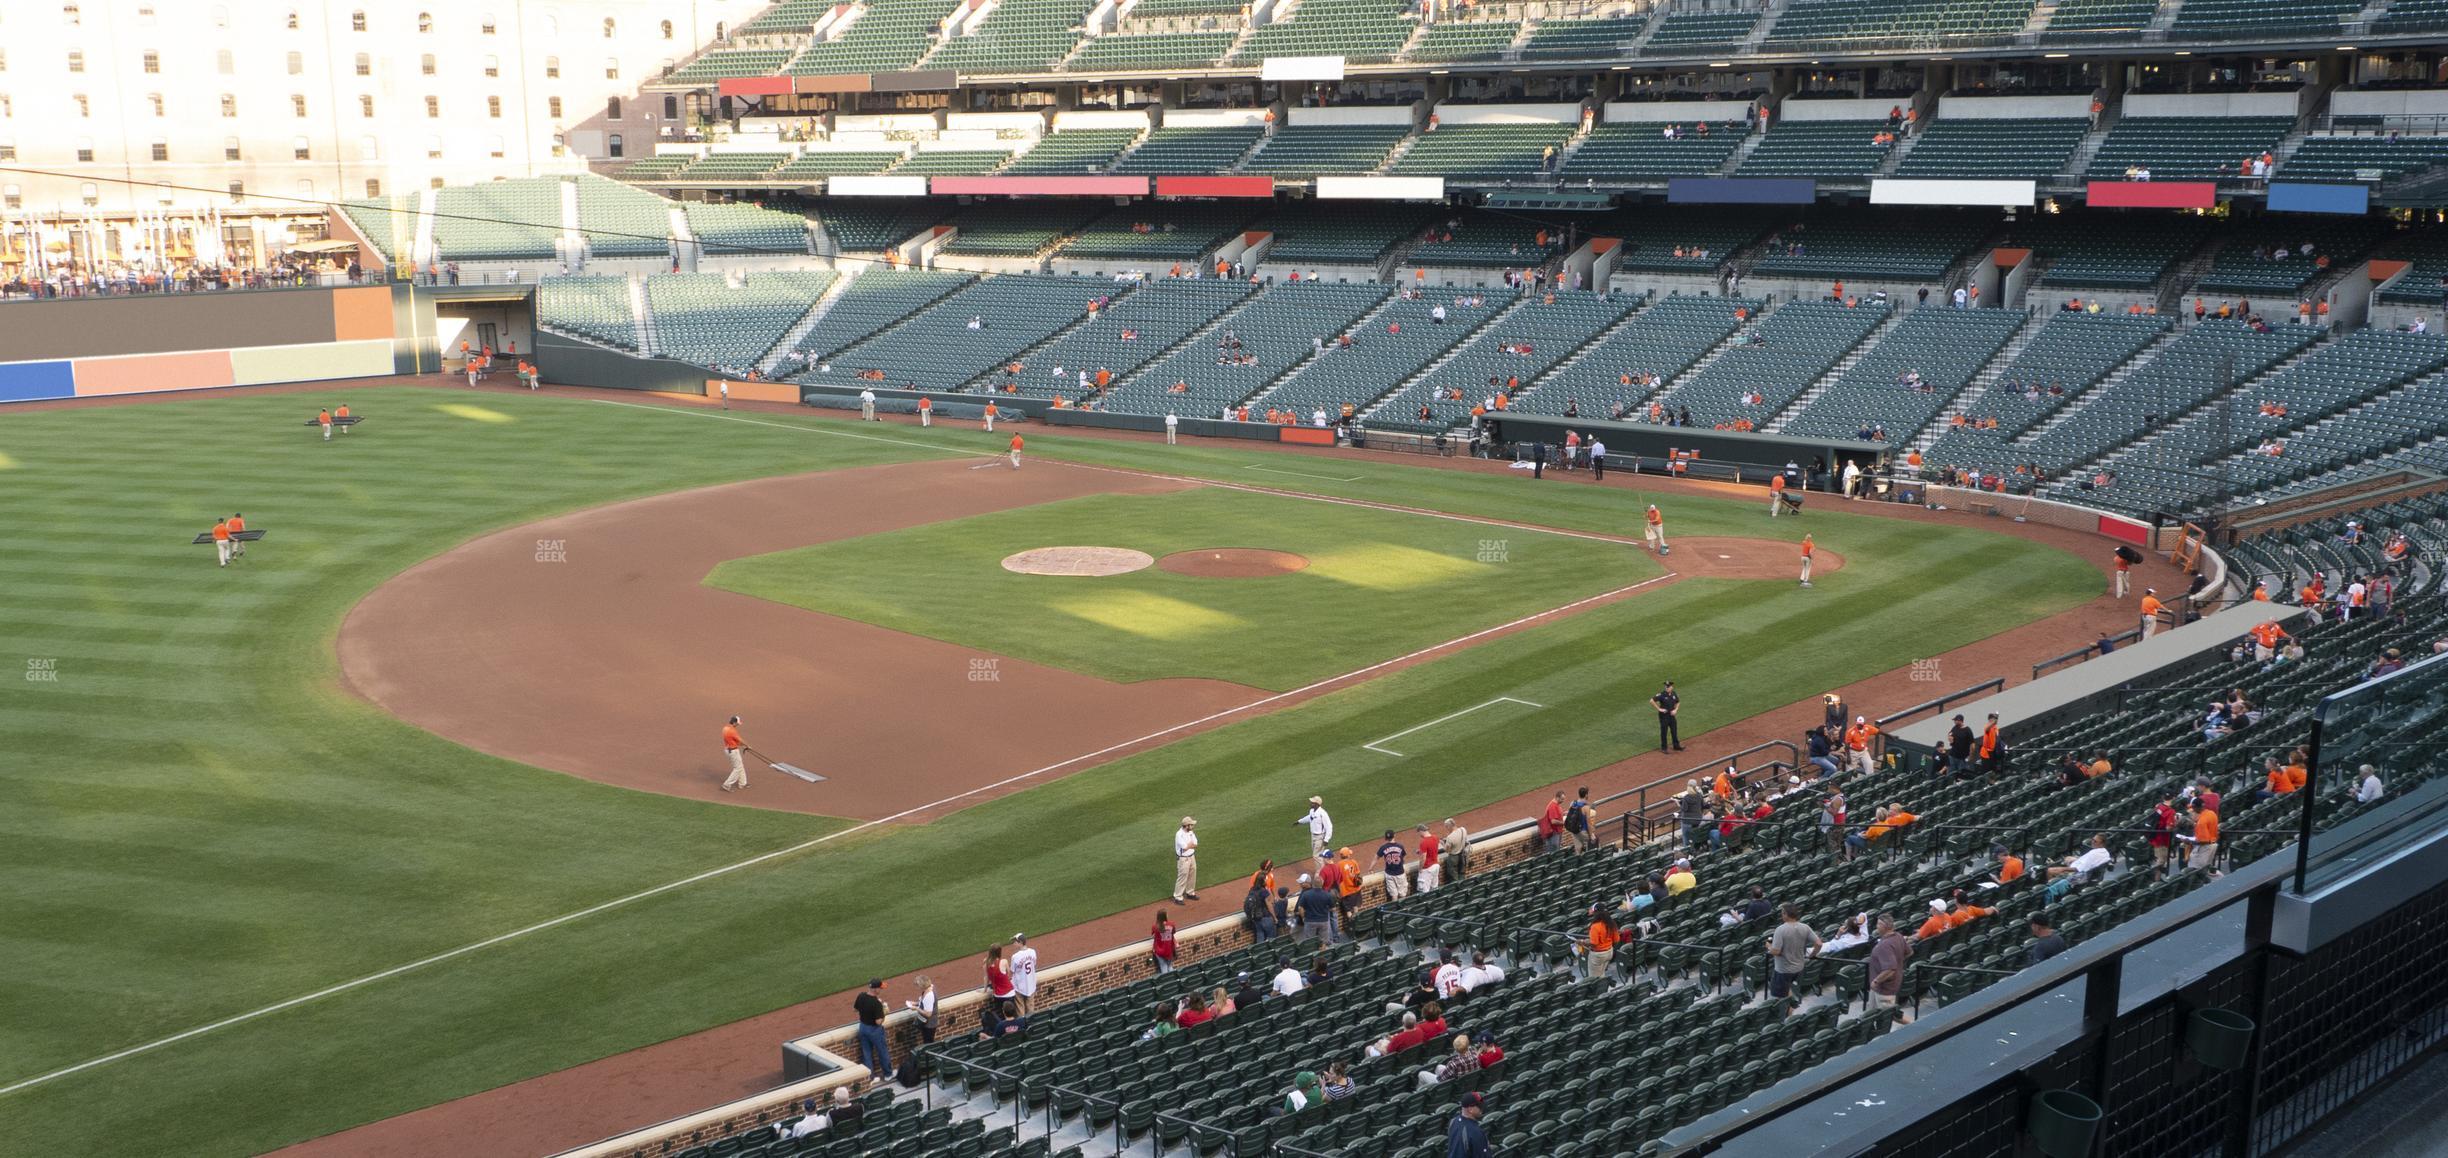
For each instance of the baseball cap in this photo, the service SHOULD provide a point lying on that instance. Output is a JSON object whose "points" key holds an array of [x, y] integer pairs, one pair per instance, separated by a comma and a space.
{"points": [[1304, 878], [1474, 1100], [1317, 800], [1189, 820]]}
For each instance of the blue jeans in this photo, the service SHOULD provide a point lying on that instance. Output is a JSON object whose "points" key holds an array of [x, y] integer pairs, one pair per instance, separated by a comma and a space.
{"points": [[872, 1052]]}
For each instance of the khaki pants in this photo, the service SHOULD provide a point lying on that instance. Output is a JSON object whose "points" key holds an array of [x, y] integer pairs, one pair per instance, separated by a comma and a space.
{"points": [[1015, 457], [1185, 876], [990, 424], [926, 416], [1172, 435], [1397, 886], [2122, 578], [2150, 626], [223, 546], [1428, 875], [1776, 503], [1806, 562], [739, 769], [1599, 962], [2204, 856], [1656, 536], [867, 411]]}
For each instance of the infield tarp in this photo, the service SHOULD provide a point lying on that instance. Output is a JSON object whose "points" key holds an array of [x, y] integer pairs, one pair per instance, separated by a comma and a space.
{"points": [[2297, 197], [32, 381], [1741, 191]]}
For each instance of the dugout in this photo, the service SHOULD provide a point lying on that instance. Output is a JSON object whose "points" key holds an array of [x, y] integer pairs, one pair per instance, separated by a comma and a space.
{"points": [[1724, 454]]}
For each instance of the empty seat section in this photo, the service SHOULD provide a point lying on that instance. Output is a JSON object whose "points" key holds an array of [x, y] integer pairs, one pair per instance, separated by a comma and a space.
{"points": [[1274, 331], [1072, 153], [2186, 147], [740, 166], [2425, 281], [1190, 149], [1333, 150], [2199, 365], [1133, 331], [1912, 374], [1483, 152], [861, 226], [1899, 247], [2107, 250], [1017, 228], [1707, 238], [1841, 21], [511, 220], [937, 350], [702, 318], [1485, 241], [952, 163], [2350, 158], [1155, 231], [816, 163], [1613, 378], [390, 223], [1817, 149], [656, 168], [888, 36], [2413, 16], [1150, 52], [1465, 40], [1385, 349], [618, 221], [2067, 356], [589, 306], [745, 229], [1634, 151], [1982, 149], [1323, 233], [2271, 258], [1507, 355], [1016, 36], [1774, 361], [1582, 39], [1685, 28], [1359, 31], [724, 62], [2090, 19], [868, 302], [2263, 17], [786, 17]]}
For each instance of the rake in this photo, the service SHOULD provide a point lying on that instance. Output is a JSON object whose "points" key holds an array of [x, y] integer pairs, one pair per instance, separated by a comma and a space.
{"points": [[786, 769]]}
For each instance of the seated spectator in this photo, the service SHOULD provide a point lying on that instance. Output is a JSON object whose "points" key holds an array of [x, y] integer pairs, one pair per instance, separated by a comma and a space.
{"points": [[1853, 935], [1167, 1022], [2085, 865], [1288, 979], [1195, 1011], [2367, 785], [1461, 1062], [1338, 1083], [1306, 1091], [1479, 974], [2010, 866], [1679, 880], [2047, 942]]}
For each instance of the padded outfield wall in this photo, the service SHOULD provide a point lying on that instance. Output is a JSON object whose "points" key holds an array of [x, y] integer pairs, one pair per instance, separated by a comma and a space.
{"points": [[147, 343]]}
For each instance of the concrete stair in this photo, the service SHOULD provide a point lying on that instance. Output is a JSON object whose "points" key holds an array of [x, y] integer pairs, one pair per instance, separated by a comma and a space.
{"points": [[1852, 357], [2112, 378], [1981, 382], [647, 344], [799, 329]]}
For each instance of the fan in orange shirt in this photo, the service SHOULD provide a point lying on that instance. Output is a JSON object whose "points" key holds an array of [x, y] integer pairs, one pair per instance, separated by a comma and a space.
{"points": [[2151, 607]]}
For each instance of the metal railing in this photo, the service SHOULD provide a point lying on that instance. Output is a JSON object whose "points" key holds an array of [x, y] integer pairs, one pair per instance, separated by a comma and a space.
{"points": [[1940, 704], [1638, 816], [2080, 654]]}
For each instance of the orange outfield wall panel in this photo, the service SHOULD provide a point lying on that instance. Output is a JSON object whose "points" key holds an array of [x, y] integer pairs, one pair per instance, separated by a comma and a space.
{"points": [[361, 314], [144, 373], [1309, 435], [754, 391]]}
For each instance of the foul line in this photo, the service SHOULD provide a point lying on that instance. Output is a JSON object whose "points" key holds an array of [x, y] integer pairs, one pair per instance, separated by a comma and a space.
{"points": [[803, 846], [1373, 744], [1306, 474]]}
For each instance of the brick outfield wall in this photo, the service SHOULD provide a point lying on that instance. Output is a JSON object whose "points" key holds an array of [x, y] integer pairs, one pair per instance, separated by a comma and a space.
{"points": [[958, 1013]]}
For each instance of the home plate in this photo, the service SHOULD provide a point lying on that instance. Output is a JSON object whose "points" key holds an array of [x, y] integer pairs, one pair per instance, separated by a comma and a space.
{"points": [[1725, 556]]}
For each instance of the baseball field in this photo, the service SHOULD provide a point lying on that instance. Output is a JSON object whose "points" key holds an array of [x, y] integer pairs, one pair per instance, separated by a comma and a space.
{"points": [[420, 797]]}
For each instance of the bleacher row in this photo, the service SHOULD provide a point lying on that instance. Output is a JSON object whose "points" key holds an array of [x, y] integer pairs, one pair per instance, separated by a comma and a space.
{"points": [[1616, 152], [1680, 1021], [1022, 37]]}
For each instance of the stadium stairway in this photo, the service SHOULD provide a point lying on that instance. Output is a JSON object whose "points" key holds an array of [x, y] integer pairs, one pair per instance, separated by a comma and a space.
{"points": [[645, 319], [1776, 420], [1989, 374], [1767, 24], [2134, 433], [816, 312]]}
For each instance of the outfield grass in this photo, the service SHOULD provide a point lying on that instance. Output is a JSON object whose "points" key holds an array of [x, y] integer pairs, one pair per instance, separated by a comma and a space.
{"points": [[1379, 584], [201, 822]]}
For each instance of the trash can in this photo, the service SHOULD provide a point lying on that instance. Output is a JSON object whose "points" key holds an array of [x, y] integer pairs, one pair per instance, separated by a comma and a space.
{"points": [[2218, 1038], [2062, 1123]]}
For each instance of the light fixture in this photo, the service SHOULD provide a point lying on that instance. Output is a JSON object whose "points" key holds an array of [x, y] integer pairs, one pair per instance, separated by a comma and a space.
{"points": [[2053, 56]]}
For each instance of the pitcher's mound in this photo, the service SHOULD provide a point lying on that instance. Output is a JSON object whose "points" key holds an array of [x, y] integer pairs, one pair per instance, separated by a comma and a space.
{"points": [[1089, 561], [1233, 563], [1704, 557]]}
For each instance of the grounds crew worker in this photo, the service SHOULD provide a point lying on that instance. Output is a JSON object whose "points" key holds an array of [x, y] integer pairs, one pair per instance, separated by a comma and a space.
{"points": [[990, 417], [1015, 452], [237, 523], [2151, 607], [221, 539], [324, 418], [926, 411], [731, 748]]}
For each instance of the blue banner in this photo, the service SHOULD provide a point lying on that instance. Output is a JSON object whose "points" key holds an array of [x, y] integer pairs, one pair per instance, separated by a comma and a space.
{"points": [[30, 381], [1741, 191], [2294, 197]]}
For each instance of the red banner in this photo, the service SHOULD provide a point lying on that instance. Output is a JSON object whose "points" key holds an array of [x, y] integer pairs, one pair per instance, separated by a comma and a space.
{"points": [[2116, 527], [1215, 186], [1041, 186], [2151, 194], [753, 85], [1307, 435]]}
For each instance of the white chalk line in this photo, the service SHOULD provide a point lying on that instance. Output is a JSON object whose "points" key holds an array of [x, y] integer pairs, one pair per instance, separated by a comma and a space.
{"points": [[1306, 474], [803, 846], [1377, 744]]}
